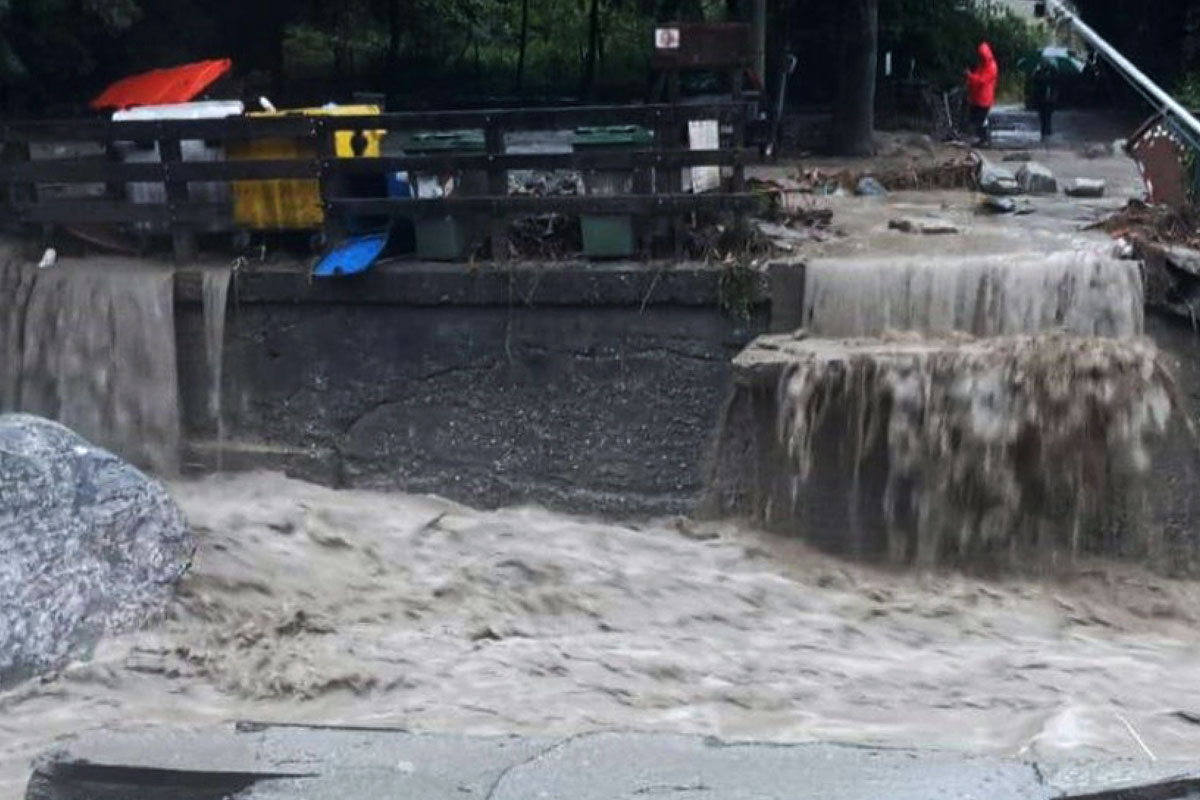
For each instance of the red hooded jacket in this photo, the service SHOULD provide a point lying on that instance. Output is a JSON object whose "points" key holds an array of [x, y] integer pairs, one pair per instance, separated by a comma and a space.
{"points": [[981, 81]]}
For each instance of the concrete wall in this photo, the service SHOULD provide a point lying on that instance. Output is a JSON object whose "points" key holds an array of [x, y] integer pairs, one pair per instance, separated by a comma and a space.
{"points": [[1174, 485], [583, 387]]}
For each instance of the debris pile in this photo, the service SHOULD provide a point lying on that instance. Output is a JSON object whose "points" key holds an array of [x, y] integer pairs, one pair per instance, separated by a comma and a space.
{"points": [[546, 237], [957, 173], [1167, 242], [1154, 223]]}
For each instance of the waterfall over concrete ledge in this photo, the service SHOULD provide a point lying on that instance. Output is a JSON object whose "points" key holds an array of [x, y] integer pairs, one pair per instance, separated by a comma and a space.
{"points": [[1008, 419], [91, 344], [1085, 292]]}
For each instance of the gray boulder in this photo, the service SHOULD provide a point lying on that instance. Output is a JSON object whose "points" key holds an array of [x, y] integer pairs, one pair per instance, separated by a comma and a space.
{"points": [[997, 180], [1086, 187], [1036, 178], [870, 187], [932, 226], [998, 205], [88, 546]]}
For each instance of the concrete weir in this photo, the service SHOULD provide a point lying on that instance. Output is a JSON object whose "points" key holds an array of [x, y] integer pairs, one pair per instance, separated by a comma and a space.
{"points": [[585, 387], [953, 410]]}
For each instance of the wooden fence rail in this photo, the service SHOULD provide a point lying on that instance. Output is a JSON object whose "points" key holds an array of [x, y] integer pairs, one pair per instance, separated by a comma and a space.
{"points": [[656, 167]]}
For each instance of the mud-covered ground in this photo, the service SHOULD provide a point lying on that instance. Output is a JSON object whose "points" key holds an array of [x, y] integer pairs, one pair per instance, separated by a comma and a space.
{"points": [[307, 604]]}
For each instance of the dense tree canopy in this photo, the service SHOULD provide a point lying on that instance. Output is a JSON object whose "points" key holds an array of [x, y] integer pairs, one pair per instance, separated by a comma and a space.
{"points": [[1161, 36], [55, 53]]}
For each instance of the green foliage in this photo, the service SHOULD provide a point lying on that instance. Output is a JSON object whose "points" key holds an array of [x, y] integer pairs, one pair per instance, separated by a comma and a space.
{"points": [[941, 37], [62, 51], [1187, 91]]}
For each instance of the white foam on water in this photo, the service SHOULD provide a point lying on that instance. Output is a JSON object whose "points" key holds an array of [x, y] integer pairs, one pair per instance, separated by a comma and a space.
{"points": [[215, 292], [1083, 292]]}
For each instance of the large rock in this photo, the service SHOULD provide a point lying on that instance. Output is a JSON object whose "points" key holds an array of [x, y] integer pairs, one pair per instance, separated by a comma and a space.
{"points": [[870, 187], [88, 546], [1036, 178], [1086, 187], [927, 225], [997, 180]]}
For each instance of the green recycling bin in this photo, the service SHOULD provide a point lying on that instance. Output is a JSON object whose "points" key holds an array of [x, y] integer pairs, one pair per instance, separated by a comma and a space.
{"points": [[609, 235], [446, 238]]}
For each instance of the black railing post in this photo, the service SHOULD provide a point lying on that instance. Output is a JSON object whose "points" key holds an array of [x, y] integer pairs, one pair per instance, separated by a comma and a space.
{"points": [[333, 182], [183, 238], [739, 169], [22, 192], [497, 186], [673, 131]]}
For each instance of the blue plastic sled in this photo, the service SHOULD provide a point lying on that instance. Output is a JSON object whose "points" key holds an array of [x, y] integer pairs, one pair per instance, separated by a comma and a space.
{"points": [[351, 257]]}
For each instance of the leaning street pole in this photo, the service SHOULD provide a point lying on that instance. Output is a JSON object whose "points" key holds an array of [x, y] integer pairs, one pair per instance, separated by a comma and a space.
{"points": [[759, 25], [1131, 73]]}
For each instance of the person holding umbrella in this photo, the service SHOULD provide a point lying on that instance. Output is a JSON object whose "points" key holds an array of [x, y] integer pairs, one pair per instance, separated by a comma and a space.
{"points": [[1045, 95], [981, 92]]}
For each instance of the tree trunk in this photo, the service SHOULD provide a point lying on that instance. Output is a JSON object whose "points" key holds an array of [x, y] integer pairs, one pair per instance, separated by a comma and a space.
{"points": [[588, 83], [340, 45], [393, 46], [854, 110], [522, 47]]}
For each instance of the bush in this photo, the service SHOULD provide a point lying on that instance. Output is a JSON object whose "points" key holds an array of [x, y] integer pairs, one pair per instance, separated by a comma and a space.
{"points": [[940, 38], [1187, 90]]}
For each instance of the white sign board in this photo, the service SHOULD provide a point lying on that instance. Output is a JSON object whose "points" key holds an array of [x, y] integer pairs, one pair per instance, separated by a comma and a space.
{"points": [[666, 38], [704, 134]]}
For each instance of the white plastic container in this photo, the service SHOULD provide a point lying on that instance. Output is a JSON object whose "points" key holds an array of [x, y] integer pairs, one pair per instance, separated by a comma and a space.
{"points": [[190, 149]]}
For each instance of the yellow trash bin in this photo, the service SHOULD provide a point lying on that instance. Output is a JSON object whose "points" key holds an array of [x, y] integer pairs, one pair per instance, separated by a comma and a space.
{"points": [[292, 204]]}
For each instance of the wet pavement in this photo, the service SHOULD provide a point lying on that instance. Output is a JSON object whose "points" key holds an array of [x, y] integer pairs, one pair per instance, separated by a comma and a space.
{"points": [[264, 762]]}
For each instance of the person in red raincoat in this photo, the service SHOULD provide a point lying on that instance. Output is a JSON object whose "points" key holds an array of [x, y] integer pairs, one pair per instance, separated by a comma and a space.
{"points": [[981, 91]]}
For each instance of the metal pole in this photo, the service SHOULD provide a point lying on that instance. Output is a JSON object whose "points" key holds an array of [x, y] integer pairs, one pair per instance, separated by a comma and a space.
{"points": [[1134, 74]]}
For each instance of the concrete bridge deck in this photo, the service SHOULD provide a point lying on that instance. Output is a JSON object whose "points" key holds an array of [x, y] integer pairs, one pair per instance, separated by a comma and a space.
{"points": [[261, 762]]}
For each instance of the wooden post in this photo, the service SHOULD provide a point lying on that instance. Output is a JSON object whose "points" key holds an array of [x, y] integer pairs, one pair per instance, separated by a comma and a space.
{"points": [[333, 184], [670, 179], [114, 190], [183, 238], [22, 193], [497, 185], [739, 142], [739, 169]]}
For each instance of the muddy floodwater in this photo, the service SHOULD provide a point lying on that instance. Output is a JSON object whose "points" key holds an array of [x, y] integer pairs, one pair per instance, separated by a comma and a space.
{"points": [[307, 604]]}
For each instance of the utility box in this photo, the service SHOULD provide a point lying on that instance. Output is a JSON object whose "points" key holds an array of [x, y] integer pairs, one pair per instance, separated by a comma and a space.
{"points": [[445, 238], [609, 235], [294, 203]]}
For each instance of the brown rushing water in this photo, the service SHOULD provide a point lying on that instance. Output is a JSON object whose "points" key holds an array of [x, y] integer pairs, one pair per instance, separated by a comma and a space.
{"points": [[92, 345], [308, 604]]}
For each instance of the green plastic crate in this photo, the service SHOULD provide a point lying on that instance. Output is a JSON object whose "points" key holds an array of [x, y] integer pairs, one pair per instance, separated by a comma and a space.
{"points": [[612, 136], [445, 141], [447, 238], [609, 235]]}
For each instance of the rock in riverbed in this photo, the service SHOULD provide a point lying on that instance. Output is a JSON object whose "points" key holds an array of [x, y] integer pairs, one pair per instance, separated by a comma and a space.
{"points": [[870, 187], [1036, 178], [996, 180], [1086, 187], [927, 225], [88, 546]]}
